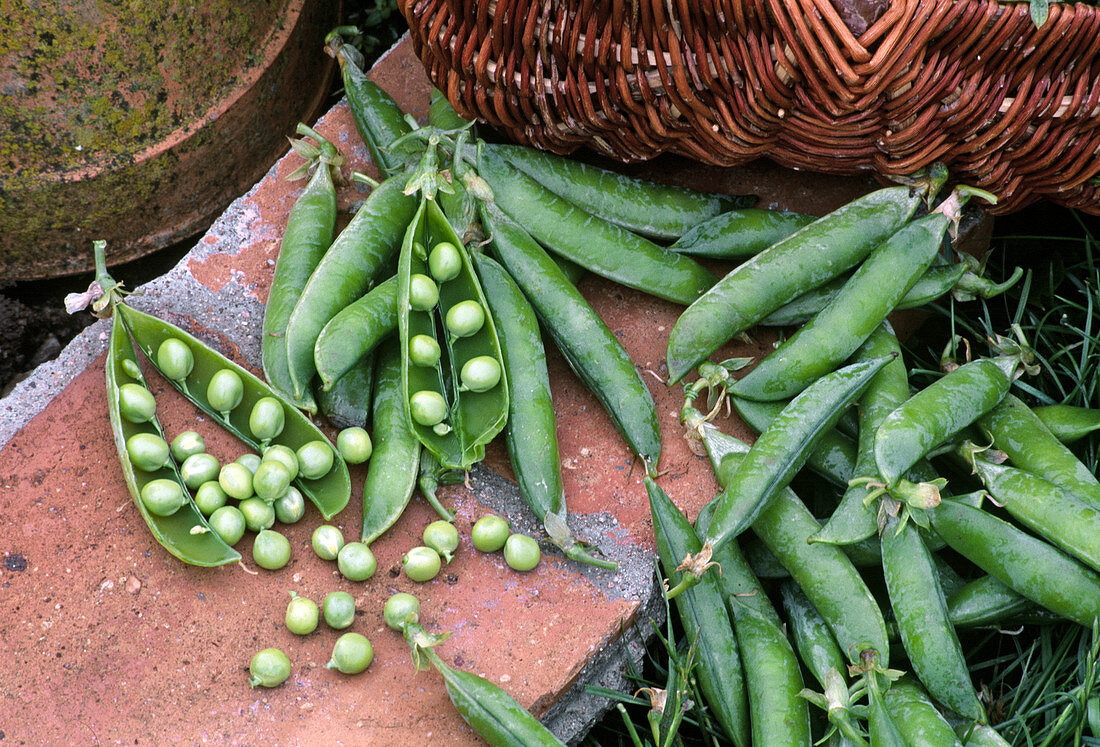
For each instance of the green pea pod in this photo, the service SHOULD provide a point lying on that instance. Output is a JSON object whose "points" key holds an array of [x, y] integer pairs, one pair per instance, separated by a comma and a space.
{"points": [[307, 236], [702, 611], [355, 331], [588, 345], [531, 434], [393, 468], [782, 449], [737, 233], [1026, 564], [779, 715], [1068, 422], [807, 258], [813, 639], [360, 252], [881, 727], [473, 417], [1030, 446], [938, 411], [600, 247], [330, 493], [441, 114], [917, 720], [858, 308], [185, 534], [347, 402], [921, 614], [985, 601]]}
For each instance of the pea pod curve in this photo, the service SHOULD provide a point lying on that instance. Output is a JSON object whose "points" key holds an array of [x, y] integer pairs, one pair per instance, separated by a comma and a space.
{"points": [[355, 331]]}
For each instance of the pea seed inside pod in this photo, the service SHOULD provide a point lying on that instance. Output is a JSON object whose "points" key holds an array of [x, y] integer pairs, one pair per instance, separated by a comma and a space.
{"points": [[423, 293], [163, 497], [444, 262], [424, 351], [187, 444], [174, 359], [148, 451], [225, 391], [315, 459], [271, 481], [136, 403], [267, 419], [229, 524], [480, 374], [465, 318], [428, 408]]}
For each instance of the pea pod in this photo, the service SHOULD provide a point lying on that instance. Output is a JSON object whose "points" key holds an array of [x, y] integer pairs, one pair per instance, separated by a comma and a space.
{"points": [[185, 533], [473, 417], [391, 475], [531, 434], [813, 639], [351, 264], [355, 331], [347, 402], [588, 345], [837, 331], [330, 493], [811, 256], [1068, 422], [985, 601], [657, 210], [740, 232], [600, 247], [917, 720], [307, 235], [441, 114]]}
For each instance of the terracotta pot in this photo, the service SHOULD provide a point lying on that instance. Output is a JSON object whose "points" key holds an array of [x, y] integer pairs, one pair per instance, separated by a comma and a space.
{"points": [[138, 123]]}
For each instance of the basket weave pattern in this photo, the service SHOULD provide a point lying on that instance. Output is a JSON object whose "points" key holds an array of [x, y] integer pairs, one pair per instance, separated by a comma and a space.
{"points": [[971, 83]]}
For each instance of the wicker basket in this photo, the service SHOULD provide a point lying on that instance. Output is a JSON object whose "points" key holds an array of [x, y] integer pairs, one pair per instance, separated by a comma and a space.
{"points": [[971, 83]]}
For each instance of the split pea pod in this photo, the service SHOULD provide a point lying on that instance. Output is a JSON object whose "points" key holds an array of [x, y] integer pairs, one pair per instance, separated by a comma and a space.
{"points": [[918, 721], [531, 432], [807, 258], [307, 235], [590, 348], [600, 247], [330, 492], [1068, 422], [858, 308], [355, 331], [391, 475], [360, 252], [740, 232], [702, 611], [184, 533], [656, 210]]}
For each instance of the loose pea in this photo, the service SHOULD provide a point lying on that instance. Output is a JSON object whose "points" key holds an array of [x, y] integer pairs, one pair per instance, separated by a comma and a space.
{"points": [[251, 461], [270, 550], [187, 444], [338, 609], [421, 564], [521, 552], [354, 445], [427, 407], [356, 562], [465, 318], [480, 374], [225, 391], [236, 480], [163, 497], [258, 514], [489, 533], [424, 350], [271, 481], [302, 615], [442, 537], [199, 468], [444, 262], [174, 359], [423, 292], [209, 497], [327, 541], [351, 654], [314, 460], [267, 419], [401, 608], [285, 455], [136, 403], [229, 524], [291, 507], [148, 452], [269, 668]]}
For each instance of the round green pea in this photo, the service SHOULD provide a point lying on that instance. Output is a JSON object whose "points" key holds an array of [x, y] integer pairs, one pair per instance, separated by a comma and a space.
{"points": [[267, 418], [489, 533], [423, 292], [270, 550], [338, 609], [136, 403], [187, 444], [258, 514], [148, 451], [356, 562], [465, 318], [199, 468], [401, 608], [444, 262], [480, 374], [269, 668], [291, 507], [351, 654], [327, 541], [284, 455], [421, 564], [225, 391], [174, 359], [209, 497], [163, 497], [271, 481], [229, 524], [521, 552], [442, 537], [315, 459], [250, 460], [354, 445], [428, 408], [302, 615], [236, 480], [424, 350]]}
